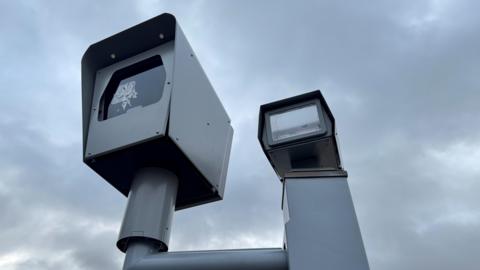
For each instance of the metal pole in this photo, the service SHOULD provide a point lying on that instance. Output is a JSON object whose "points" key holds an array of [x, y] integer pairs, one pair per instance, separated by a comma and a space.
{"points": [[151, 203], [321, 226], [244, 259], [146, 230], [137, 249]]}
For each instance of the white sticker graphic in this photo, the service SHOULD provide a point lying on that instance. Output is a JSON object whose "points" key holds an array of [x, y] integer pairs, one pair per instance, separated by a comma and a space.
{"points": [[125, 93]]}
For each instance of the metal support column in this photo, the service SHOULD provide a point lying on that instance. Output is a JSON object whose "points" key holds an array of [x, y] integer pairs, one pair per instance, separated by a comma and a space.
{"points": [[321, 228], [150, 208]]}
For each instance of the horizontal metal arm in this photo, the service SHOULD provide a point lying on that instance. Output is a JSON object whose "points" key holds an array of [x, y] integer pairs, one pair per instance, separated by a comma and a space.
{"points": [[246, 259]]}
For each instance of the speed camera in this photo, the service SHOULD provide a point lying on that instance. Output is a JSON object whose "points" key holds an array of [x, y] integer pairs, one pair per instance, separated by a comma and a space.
{"points": [[298, 134], [148, 103]]}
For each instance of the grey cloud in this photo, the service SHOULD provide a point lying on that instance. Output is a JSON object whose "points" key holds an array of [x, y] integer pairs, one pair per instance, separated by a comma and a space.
{"points": [[401, 79]]}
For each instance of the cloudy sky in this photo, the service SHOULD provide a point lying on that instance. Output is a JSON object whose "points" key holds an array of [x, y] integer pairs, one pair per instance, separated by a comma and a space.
{"points": [[401, 77]]}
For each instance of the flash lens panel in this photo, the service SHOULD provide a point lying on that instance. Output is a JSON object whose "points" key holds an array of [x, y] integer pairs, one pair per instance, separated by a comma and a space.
{"points": [[295, 123]]}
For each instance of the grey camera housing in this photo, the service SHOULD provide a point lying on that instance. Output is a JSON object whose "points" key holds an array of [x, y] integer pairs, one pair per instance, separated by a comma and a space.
{"points": [[317, 152], [187, 131]]}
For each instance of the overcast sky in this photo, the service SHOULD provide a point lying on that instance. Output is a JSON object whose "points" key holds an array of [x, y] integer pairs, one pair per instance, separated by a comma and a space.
{"points": [[401, 77]]}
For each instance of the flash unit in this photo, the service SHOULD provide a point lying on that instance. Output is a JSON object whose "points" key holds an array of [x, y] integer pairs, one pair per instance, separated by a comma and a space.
{"points": [[295, 122], [298, 134]]}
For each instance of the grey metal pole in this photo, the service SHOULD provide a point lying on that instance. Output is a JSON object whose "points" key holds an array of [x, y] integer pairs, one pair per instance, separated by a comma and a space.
{"points": [[242, 259], [321, 226], [151, 203], [146, 228], [137, 249]]}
